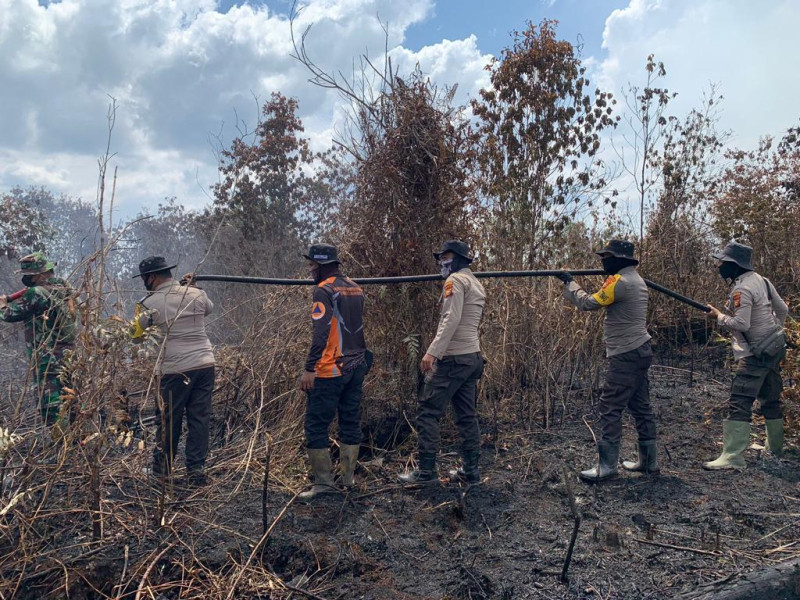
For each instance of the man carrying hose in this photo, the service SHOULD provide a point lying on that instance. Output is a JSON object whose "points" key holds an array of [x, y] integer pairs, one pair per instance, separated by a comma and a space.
{"points": [[186, 365], [48, 310], [452, 366], [624, 295], [334, 372], [758, 349]]}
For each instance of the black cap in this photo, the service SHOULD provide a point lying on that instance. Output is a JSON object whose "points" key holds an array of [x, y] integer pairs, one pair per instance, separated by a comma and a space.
{"points": [[153, 264], [737, 253], [456, 247], [323, 254], [619, 249]]}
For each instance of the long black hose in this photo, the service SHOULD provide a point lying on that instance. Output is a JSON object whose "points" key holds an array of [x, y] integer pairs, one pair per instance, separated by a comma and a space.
{"points": [[418, 278]]}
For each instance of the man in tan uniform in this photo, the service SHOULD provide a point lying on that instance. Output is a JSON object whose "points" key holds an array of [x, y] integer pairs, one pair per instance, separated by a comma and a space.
{"points": [[186, 366], [452, 366], [624, 297], [758, 312]]}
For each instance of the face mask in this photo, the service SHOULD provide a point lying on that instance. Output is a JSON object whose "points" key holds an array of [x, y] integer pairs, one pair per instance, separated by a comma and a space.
{"points": [[728, 270], [315, 274], [28, 280], [446, 267], [613, 265]]}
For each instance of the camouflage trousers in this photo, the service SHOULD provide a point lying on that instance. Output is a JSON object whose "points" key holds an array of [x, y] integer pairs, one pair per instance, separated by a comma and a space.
{"points": [[49, 388]]}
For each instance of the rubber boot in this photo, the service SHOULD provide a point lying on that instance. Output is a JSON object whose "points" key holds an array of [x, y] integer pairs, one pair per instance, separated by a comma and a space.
{"points": [[735, 439], [468, 472], [608, 457], [321, 469], [196, 478], [648, 459], [774, 443], [426, 473], [348, 456]]}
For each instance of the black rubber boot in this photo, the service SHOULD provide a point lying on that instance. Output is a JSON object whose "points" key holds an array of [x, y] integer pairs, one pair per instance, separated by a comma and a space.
{"points": [[608, 457], [648, 459], [196, 478], [426, 473], [468, 472]]}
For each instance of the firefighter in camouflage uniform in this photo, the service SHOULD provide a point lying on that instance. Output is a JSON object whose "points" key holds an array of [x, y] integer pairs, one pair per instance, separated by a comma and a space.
{"points": [[48, 311]]}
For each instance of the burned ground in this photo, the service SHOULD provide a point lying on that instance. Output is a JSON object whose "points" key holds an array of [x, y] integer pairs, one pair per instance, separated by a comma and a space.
{"points": [[640, 536]]}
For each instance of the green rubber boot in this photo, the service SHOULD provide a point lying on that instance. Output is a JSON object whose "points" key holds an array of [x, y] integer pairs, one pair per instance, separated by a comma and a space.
{"points": [[774, 436], [321, 469], [735, 439], [348, 456]]}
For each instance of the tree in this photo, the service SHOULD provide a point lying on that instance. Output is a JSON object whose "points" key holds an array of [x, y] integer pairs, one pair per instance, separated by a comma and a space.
{"points": [[24, 226], [758, 202], [646, 122], [540, 130], [268, 196]]}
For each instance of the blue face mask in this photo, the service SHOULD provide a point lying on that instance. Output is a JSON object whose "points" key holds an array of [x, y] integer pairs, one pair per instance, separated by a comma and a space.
{"points": [[446, 267]]}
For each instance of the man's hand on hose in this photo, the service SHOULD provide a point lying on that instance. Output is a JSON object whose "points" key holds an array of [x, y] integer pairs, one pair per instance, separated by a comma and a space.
{"points": [[188, 279], [565, 276], [427, 363], [713, 313], [3, 302], [307, 381]]}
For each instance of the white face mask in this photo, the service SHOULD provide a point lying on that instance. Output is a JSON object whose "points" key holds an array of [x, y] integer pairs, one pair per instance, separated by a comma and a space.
{"points": [[445, 267]]}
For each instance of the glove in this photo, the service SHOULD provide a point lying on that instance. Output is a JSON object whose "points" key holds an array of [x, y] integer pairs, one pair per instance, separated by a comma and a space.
{"points": [[565, 276]]}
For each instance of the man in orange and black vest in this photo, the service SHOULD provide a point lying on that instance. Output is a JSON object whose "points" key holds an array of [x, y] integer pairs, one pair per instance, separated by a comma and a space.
{"points": [[334, 371]]}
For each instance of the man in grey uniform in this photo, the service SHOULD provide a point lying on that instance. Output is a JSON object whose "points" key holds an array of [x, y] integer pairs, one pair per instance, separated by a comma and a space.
{"points": [[624, 296], [758, 312], [452, 366]]}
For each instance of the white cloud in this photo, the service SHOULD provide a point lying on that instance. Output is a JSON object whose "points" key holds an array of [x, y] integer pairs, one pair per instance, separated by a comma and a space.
{"points": [[746, 47], [178, 69], [448, 63]]}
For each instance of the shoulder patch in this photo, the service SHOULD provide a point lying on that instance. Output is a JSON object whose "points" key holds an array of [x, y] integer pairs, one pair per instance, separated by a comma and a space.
{"points": [[605, 296], [328, 281], [317, 311], [448, 289], [736, 299]]}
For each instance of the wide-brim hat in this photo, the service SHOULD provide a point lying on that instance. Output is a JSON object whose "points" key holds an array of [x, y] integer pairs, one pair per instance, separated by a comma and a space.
{"points": [[323, 254], [153, 264], [456, 247], [736, 253], [619, 249], [35, 264]]}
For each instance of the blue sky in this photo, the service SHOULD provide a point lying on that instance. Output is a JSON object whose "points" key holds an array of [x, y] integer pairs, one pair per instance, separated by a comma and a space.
{"points": [[183, 71], [492, 22]]}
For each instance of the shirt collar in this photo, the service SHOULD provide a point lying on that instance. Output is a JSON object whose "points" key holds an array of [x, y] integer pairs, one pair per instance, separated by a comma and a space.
{"points": [[165, 285]]}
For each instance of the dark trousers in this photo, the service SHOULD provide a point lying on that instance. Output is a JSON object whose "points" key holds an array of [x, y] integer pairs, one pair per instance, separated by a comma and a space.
{"points": [[756, 378], [188, 393], [627, 385], [455, 379], [332, 395]]}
